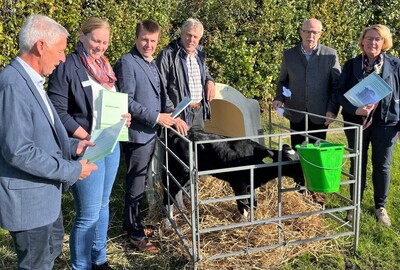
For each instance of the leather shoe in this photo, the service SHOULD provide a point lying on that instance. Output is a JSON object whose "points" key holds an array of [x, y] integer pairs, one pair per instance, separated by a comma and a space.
{"points": [[144, 245]]}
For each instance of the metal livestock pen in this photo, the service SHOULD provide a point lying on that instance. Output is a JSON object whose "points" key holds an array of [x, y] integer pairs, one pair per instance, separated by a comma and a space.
{"points": [[192, 218]]}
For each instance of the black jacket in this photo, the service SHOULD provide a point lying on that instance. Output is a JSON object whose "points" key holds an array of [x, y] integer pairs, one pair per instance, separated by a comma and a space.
{"points": [[171, 63], [389, 106]]}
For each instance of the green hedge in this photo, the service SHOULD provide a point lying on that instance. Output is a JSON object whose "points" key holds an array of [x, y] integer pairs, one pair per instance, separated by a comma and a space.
{"points": [[244, 39]]}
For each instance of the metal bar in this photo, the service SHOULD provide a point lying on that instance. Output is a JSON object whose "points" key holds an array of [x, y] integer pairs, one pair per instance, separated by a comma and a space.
{"points": [[277, 140]]}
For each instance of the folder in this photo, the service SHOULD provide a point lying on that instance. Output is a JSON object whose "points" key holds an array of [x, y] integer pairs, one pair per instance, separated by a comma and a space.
{"points": [[111, 106], [105, 139], [181, 106]]}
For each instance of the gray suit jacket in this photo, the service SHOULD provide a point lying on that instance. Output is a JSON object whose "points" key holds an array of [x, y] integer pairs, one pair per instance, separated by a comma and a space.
{"points": [[145, 100], [34, 154], [311, 82]]}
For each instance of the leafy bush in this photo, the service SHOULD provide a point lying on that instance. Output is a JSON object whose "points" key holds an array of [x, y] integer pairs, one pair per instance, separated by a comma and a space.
{"points": [[245, 39]]}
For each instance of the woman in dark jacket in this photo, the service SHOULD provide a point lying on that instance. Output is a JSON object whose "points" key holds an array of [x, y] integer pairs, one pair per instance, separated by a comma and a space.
{"points": [[74, 89], [380, 120]]}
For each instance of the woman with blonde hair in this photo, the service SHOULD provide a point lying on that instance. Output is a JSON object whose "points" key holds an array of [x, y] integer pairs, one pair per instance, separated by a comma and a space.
{"points": [[74, 90], [380, 120]]}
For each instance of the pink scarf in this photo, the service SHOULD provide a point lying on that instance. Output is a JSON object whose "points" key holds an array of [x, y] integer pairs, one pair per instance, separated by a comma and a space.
{"points": [[100, 69]]}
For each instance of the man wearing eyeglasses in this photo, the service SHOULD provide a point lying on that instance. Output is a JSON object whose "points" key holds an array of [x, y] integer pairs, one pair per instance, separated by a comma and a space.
{"points": [[309, 72]]}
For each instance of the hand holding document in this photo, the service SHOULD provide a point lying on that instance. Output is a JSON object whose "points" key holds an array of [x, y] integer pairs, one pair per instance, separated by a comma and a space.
{"points": [[369, 91], [105, 140]]}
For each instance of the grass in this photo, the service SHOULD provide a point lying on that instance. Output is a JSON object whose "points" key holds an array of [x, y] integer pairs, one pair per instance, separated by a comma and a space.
{"points": [[378, 245]]}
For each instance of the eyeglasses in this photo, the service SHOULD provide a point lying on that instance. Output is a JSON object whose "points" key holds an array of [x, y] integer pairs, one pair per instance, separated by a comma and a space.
{"points": [[370, 39], [311, 32]]}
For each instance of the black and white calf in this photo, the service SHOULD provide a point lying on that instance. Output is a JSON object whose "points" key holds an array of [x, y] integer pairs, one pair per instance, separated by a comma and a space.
{"points": [[226, 154]]}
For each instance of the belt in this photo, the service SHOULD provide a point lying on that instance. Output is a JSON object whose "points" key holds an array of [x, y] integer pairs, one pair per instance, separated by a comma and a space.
{"points": [[195, 105]]}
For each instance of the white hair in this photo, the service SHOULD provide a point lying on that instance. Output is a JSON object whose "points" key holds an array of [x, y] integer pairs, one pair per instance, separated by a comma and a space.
{"points": [[191, 22], [37, 27]]}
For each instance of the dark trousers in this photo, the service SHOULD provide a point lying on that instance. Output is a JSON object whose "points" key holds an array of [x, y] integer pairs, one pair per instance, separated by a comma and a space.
{"points": [[137, 157], [382, 140], [195, 119], [38, 248], [301, 126]]}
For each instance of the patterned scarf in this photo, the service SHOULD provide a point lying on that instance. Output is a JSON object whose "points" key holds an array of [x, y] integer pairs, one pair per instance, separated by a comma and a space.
{"points": [[100, 69], [367, 69]]}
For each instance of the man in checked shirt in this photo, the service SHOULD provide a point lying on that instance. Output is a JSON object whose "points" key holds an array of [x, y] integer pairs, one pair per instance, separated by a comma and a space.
{"points": [[184, 70]]}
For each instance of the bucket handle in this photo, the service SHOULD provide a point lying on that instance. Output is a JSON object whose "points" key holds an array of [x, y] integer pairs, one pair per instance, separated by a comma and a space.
{"points": [[319, 167]]}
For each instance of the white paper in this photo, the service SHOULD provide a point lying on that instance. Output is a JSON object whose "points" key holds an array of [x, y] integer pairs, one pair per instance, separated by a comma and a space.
{"points": [[280, 111], [105, 139], [286, 91]]}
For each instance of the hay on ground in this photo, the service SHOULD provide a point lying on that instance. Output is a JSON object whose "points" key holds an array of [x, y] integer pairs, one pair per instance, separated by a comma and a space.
{"points": [[239, 239]]}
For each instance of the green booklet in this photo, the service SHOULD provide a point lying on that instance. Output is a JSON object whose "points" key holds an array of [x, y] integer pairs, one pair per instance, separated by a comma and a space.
{"points": [[111, 106]]}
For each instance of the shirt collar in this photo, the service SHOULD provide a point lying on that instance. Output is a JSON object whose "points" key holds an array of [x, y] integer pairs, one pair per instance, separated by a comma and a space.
{"points": [[312, 52], [194, 54], [36, 77]]}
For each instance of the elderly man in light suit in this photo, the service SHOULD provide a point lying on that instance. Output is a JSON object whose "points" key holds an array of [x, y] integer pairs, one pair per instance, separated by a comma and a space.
{"points": [[138, 76], [310, 71], [35, 151]]}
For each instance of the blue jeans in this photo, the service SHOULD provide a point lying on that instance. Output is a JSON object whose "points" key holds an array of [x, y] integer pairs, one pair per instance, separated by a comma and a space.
{"points": [[92, 195]]}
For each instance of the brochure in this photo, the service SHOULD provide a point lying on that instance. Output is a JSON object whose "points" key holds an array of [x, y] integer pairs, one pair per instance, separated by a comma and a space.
{"points": [[105, 139], [111, 106], [181, 106], [368, 91]]}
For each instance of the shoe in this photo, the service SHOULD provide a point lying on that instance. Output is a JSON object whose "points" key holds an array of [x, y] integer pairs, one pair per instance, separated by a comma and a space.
{"points": [[149, 232], [382, 216], [144, 245], [103, 266]]}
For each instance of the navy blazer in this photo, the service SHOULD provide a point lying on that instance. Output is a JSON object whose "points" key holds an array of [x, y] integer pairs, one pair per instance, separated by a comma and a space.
{"points": [[71, 95], [34, 154], [352, 74], [145, 100]]}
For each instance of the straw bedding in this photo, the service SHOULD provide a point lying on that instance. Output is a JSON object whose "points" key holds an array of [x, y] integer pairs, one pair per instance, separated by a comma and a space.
{"points": [[239, 239]]}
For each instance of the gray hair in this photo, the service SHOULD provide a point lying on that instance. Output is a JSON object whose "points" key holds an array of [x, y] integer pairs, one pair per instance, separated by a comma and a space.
{"points": [[191, 22], [39, 27]]}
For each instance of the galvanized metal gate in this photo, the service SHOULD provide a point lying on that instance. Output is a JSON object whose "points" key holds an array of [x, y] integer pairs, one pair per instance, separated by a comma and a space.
{"points": [[192, 241]]}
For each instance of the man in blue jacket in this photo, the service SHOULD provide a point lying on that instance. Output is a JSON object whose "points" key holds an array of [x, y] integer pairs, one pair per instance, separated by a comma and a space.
{"points": [[35, 151], [138, 76]]}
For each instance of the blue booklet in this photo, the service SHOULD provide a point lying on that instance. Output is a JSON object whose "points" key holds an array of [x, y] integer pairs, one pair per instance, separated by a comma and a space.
{"points": [[181, 106]]}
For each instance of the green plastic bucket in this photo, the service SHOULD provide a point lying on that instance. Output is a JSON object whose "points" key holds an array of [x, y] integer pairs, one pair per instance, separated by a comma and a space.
{"points": [[322, 165]]}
